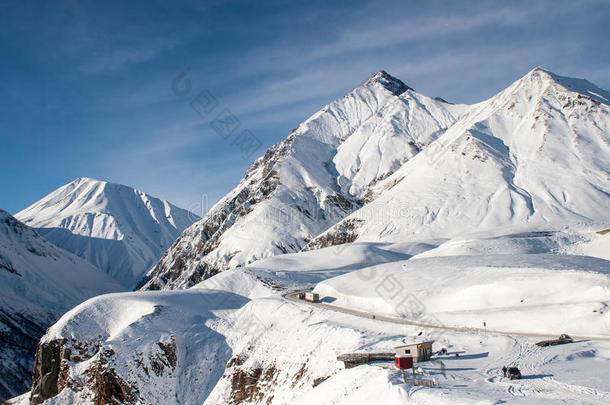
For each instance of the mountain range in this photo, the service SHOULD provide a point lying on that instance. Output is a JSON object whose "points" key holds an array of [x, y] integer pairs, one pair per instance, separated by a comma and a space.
{"points": [[387, 163], [383, 189], [536, 154]]}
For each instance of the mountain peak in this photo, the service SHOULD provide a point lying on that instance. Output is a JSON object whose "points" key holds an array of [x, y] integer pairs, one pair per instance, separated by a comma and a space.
{"points": [[581, 86], [87, 180], [93, 187], [389, 82]]}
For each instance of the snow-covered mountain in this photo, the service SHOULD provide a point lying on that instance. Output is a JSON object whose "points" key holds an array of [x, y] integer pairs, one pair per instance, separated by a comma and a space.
{"points": [[38, 283], [121, 230], [324, 170], [472, 227], [537, 154]]}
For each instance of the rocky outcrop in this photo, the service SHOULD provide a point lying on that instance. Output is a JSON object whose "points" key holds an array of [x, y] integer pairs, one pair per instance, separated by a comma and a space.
{"points": [[257, 384], [103, 383], [344, 232], [107, 386], [48, 365], [249, 385]]}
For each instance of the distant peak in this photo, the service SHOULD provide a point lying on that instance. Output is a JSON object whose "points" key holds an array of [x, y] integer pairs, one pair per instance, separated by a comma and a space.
{"points": [[389, 82], [98, 182]]}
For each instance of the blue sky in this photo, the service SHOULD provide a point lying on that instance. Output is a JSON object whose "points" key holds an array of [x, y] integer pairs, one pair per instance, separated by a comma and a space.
{"points": [[87, 86]]}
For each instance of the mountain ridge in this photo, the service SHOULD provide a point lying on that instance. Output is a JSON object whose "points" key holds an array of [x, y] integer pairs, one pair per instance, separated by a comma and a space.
{"points": [[536, 152], [320, 173]]}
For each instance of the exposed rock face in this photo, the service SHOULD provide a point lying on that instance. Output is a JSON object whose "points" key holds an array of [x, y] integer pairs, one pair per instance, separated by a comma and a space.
{"points": [[249, 385], [344, 232], [103, 383], [257, 384], [391, 83], [323, 171], [47, 367], [107, 386]]}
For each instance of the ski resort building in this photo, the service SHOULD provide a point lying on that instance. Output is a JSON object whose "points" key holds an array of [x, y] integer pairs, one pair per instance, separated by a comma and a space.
{"points": [[421, 351]]}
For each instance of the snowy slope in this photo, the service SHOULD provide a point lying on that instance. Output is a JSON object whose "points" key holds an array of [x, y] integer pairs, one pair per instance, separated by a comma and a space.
{"points": [[537, 153], [321, 172], [538, 293], [38, 283], [162, 341], [234, 339], [120, 230]]}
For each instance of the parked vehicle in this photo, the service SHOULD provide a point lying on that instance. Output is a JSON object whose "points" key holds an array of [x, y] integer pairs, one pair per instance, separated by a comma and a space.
{"points": [[513, 373], [562, 340]]}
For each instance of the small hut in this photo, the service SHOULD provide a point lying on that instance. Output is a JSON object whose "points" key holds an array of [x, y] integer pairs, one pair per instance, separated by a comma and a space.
{"points": [[312, 297], [421, 351]]}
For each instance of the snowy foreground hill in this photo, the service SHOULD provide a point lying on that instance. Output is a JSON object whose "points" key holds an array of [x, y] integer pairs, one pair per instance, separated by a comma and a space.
{"points": [[236, 339], [484, 228], [38, 283], [121, 230]]}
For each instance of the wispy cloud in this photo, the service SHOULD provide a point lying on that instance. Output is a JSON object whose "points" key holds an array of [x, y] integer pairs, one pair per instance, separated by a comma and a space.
{"points": [[112, 58]]}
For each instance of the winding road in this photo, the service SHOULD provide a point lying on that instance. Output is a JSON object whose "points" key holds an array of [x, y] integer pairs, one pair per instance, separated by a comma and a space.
{"points": [[294, 297]]}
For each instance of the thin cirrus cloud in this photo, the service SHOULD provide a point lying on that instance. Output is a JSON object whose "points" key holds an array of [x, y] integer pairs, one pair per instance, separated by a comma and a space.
{"points": [[332, 67], [406, 31], [108, 59]]}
